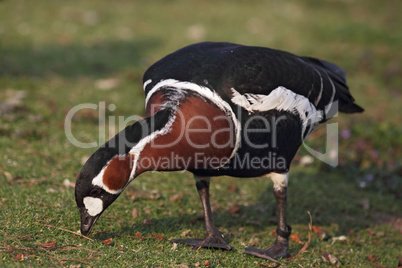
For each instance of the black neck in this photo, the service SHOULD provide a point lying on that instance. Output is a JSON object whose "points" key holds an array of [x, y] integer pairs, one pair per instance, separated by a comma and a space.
{"points": [[125, 140]]}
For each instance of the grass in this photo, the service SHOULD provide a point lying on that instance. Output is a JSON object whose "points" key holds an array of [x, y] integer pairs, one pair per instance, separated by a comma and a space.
{"points": [[53, 56]]}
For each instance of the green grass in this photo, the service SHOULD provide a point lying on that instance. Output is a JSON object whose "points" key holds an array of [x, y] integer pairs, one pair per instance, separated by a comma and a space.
{"points": [[56, 52]]}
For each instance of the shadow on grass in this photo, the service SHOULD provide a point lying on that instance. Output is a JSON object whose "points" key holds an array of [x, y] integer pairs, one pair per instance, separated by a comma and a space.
{"points": [[76, 60], [333, 200]]}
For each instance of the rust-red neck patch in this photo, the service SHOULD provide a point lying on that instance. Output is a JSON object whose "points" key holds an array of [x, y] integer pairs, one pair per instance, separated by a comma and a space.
{"points": [[117, 173]]}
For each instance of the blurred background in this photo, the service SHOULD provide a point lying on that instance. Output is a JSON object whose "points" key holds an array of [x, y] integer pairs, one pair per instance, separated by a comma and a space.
{"points": [[60, 54], [57, 54]]}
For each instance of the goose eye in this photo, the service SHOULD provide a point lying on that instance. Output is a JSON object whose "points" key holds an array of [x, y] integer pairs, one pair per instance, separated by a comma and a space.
{"points": [[95, 192]]}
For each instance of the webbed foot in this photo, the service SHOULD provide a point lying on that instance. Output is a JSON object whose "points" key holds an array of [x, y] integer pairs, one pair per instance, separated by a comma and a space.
{"points": [[277, 250]]}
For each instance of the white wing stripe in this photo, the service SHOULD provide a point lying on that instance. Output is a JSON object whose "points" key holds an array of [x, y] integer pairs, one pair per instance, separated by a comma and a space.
{"points": [[281, 99]]}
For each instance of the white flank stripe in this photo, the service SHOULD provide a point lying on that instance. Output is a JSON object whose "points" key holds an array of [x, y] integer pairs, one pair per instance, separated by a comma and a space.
{"points": [[93, 205], [281, 99], [206, 93]]}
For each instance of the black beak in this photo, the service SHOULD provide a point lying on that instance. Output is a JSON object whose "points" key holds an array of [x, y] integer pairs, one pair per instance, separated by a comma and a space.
{"points": [[87, 221]]}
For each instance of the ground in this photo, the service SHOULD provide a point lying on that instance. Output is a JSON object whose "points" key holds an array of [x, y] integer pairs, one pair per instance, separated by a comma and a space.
{"points": [[56, 55]]}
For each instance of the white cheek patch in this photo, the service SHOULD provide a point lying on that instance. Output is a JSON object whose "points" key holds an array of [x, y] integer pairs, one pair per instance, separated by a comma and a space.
{"points": [[93, 205]]}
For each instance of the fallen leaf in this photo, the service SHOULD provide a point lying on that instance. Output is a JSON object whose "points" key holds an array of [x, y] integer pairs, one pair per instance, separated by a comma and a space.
{"points": [[199, 219], [48, 244], [320, 231], [35, 118], [273, 233], [121, 248], [8, 175], [174, 248], [325, 236], [339, 238], [232, 188], [197, 264], [139, 235], [306, 160], [24, 237], [371, 231], [176, 198], [317, 229], [134, 194], [380, 234], [147, 211], [157, 236], [159, 245], [185, 233], [331, 259], [134, 213], [235, 209], [372, 258], [20, 257], [296, 238], [147, 221], [364, 203], [207, 263], [67, 183], [107, 241], [253, 241], [12, 102], [51, 190], [107, 84]]}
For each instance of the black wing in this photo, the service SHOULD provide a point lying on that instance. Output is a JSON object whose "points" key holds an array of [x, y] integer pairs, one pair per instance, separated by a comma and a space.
{"points": [[256, 70]]}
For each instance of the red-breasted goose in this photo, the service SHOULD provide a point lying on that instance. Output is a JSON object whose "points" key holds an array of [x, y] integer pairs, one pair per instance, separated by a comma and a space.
{"points": [[218, 109]]}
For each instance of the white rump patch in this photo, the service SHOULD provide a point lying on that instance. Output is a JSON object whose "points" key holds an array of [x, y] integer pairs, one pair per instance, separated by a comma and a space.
{"points": [[93, 205], [281, 99], [280, 180]]}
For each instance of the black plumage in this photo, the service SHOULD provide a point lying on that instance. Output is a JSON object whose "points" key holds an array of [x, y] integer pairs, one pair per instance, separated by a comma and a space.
{"points": [[257, 70], [278, 95]]}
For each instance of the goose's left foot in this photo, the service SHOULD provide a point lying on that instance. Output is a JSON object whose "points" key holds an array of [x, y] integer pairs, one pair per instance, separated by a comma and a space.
{"points": [[277, 250]]}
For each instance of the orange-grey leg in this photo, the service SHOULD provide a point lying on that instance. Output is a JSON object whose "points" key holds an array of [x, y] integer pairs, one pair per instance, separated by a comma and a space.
{"points": [[214, 237]]}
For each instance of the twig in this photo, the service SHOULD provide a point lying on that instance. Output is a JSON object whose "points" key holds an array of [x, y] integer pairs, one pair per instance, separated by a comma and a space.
{"points": [[305, 246], [203, 242], [51, 226], [37, 248], [77, 260]]}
